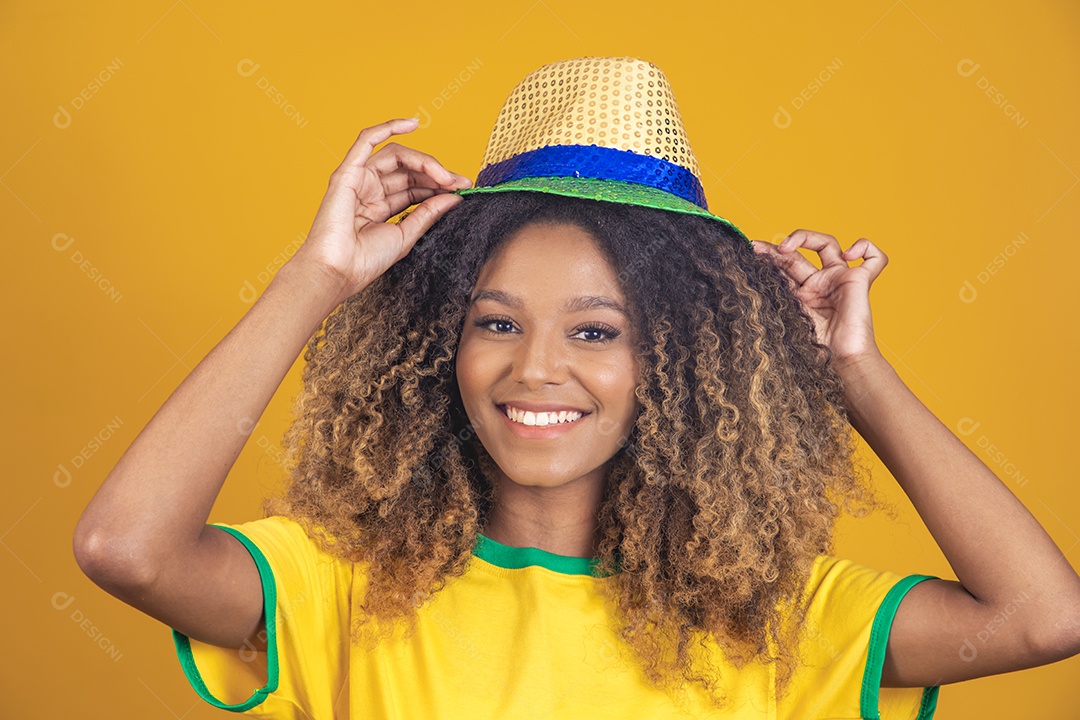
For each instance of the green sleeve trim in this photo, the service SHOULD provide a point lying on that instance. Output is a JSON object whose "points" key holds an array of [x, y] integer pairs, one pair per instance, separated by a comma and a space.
{"points": [[183, 643], [875, 659]]}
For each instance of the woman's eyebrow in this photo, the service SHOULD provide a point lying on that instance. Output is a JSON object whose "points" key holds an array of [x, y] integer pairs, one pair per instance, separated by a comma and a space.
{"points": [[581, 302]]}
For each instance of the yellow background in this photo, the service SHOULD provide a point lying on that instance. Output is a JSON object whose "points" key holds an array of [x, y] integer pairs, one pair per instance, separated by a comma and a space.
{"points": [[146, 204]]}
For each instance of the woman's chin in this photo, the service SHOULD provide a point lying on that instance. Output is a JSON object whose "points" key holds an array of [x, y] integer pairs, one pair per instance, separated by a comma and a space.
{"points": [[535, 477]]}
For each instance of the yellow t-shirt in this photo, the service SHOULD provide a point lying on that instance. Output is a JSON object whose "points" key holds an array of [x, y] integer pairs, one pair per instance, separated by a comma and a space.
{"points": [[523, 634]]}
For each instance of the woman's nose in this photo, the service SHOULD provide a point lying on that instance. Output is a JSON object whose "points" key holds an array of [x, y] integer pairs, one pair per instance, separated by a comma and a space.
{"points": [[540, 358]]}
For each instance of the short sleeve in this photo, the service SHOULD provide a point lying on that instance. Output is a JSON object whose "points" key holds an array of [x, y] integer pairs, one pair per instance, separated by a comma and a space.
{"points": [[842, 652], [306, 603]]}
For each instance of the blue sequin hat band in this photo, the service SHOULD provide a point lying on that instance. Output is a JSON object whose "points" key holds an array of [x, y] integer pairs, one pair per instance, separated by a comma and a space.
{"points": [[601, 128], [601, 163]]}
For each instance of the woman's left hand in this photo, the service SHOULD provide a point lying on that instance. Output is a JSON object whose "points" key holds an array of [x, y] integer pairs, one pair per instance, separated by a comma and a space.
{"points": [[836, 296]]}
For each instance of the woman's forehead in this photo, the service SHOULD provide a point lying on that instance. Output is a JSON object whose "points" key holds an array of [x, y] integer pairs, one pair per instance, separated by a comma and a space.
{"points": [[551, 250], [573, 291], [571, 303]]}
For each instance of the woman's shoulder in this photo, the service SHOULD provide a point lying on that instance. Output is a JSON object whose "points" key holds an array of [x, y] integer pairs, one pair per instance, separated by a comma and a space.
{"points": [[282, 536], [842, 643], [841, 591], [277, 527], [835, 573]]}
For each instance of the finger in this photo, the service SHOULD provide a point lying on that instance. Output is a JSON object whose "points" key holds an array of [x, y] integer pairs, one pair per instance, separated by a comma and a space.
{"points": [[358, 154], [394, 204], [410, 196], [425, 215], [402, 179], [794, 264], [762, 247], [824, 245], [393, 157], [873, 258]]}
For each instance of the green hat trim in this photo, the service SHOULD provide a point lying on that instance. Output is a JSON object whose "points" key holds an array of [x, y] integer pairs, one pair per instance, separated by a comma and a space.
{"points": [[607, 190]]}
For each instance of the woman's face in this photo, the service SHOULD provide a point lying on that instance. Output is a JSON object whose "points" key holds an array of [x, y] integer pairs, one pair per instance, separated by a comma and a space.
{"points": [[544, 332]]}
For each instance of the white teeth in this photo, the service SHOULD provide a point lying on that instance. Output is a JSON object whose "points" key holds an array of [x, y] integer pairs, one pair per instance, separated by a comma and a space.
{"points": [[527, 417]]}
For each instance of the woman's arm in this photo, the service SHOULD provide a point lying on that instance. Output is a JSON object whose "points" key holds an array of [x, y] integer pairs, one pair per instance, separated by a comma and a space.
{"points": [[143, 537], [1017, 604]]}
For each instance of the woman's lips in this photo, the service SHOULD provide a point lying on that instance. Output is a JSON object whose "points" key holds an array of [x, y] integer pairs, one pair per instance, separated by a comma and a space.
{"points": [[539, 432]]}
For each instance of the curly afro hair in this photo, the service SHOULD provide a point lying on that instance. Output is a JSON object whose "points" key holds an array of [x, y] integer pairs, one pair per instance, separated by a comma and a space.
{"points": [[714, 511]]}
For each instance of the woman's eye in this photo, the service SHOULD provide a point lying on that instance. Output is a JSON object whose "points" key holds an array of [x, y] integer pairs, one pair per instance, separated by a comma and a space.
{"points": [[486, 323], [594, 334], [593, 330]]}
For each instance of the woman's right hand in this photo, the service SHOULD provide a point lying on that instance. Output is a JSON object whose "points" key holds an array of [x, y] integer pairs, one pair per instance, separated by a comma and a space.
{"points": [[350, 239]]}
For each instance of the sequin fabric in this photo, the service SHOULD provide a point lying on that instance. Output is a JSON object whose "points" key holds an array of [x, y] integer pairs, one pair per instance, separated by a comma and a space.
{"points": [[603, 128], [607, 190], [592, 161], [618, 102]]}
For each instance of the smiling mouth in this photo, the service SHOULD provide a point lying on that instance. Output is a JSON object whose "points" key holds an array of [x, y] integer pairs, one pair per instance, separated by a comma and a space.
{"points": [[528, 418]]}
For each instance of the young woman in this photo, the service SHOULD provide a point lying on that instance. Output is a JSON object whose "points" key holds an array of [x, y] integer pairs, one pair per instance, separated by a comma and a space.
{"points": [[564, 457]]}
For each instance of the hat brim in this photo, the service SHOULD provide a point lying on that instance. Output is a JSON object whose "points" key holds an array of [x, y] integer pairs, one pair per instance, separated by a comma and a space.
{"points": [[607, 190]]}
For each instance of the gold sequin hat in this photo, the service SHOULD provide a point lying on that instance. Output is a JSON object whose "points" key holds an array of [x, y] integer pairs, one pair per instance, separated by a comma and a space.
{"points": [[602, 128]]}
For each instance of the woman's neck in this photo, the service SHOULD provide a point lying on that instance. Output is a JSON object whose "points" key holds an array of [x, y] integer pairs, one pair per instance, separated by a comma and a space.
{"points": [[560, 520]]}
